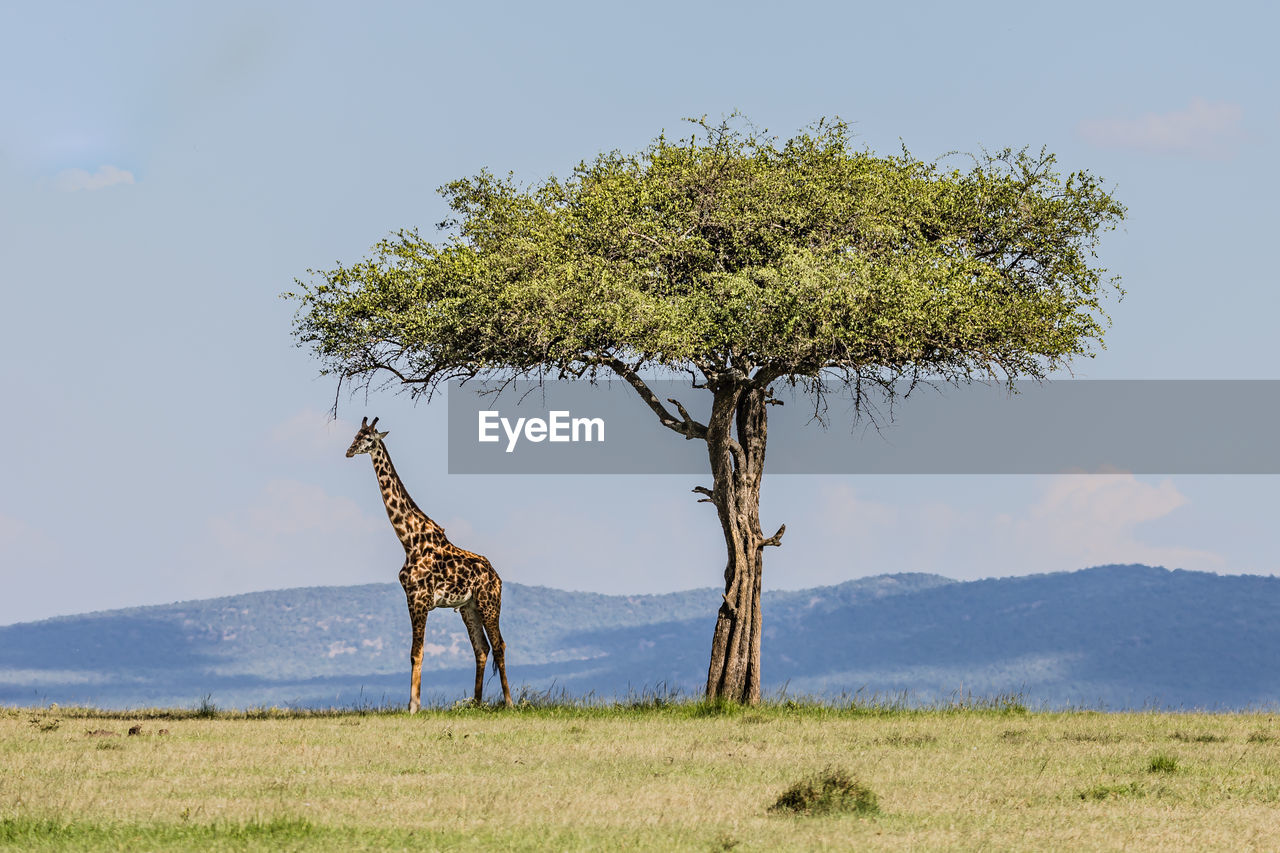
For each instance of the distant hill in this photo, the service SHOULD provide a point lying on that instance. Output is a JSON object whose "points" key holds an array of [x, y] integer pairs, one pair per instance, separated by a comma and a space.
{"points": [[1111, 637]]}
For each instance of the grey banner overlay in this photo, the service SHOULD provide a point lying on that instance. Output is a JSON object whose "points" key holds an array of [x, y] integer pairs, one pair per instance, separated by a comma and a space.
{"points": [[1064, 426]]}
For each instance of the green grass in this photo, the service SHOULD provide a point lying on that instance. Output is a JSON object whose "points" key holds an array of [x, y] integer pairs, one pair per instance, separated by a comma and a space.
{"points": [[649, 773]]}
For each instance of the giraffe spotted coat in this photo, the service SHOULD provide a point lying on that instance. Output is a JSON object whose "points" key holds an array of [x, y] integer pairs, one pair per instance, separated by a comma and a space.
{"points": [[437, 573]]}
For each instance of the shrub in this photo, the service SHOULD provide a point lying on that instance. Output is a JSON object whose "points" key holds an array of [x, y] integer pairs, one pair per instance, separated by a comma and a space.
{"points": [[833, 791]]}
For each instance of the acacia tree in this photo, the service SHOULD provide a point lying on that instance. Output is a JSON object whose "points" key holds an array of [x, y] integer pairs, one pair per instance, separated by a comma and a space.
{"points": [[740, 263]]}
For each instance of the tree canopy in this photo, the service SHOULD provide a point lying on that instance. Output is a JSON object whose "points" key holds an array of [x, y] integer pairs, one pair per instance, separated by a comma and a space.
{"points": [[728, 253]]}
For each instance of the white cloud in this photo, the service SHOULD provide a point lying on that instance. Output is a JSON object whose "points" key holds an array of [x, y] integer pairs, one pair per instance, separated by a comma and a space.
{"points": [[313, 434], [1066, 523], [72, 180], [1203, 128], [845, 511], [296, 534], [22, 543], [12, 531], [1085, 520], [286, 508]]}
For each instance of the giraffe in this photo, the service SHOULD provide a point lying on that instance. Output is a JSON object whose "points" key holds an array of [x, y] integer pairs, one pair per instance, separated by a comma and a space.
{"points": [[436, 572]]}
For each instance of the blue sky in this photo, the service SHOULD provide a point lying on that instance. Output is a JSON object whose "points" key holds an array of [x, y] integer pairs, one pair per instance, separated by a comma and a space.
{"points": [[167, 170]]}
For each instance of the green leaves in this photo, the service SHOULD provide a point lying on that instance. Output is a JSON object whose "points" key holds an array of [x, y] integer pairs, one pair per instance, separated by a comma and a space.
{"points": [[729, 252]]}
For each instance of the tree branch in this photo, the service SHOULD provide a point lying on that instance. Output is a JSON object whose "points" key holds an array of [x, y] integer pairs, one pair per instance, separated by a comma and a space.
{"points": [[692, 429], [404, 380], [766, 374], [739, 457], [775, 539], [703, 490], [687, 427], [374, 363], [634, 233]]}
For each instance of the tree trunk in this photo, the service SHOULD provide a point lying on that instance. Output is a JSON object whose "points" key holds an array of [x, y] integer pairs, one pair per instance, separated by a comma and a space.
{"points": [[736, 437]]}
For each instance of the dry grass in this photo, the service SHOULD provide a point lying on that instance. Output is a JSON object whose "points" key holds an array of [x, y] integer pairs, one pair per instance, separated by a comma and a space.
{"points": [[678, 777]]}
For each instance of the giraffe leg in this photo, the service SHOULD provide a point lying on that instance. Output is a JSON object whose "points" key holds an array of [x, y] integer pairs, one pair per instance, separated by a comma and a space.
{"points": [[418, 618], [475, 629], [490, 609]]}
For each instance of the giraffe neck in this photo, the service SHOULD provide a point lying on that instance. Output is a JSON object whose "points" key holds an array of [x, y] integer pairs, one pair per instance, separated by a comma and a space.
{"points": [[406, 519]]}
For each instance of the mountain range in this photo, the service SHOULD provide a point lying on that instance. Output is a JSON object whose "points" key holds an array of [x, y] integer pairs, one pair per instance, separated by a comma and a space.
{"points": [[1111, 637]]}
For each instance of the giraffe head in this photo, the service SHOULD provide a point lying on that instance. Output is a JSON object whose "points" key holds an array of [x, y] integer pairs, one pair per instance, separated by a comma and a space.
{"points": [[366, 438]]}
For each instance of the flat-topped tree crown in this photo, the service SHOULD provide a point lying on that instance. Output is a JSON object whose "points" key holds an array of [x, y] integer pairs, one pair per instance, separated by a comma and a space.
{"points": [[742, 261], [728, 253]]}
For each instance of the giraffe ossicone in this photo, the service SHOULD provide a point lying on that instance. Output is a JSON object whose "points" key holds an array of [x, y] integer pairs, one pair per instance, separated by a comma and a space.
{"points": [[436, 573]]}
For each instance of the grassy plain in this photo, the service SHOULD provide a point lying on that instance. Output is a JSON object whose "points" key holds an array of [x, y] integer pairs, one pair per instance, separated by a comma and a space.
{"points": [[662, 776]]}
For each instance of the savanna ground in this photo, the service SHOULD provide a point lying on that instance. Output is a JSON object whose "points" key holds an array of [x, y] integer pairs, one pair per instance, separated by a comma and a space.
{"points": [[648, 775]]}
